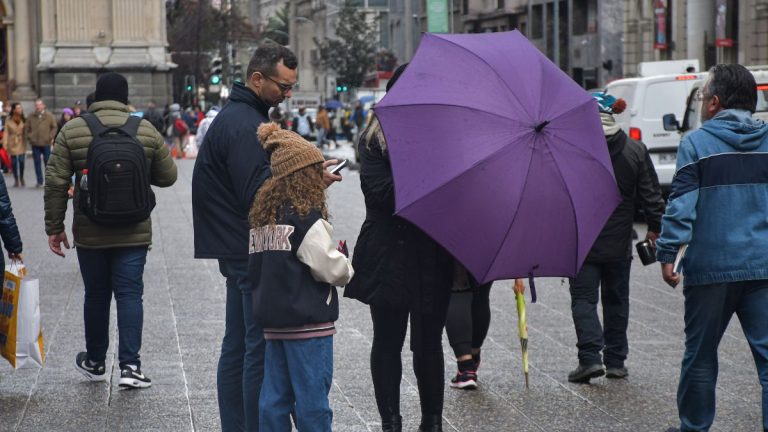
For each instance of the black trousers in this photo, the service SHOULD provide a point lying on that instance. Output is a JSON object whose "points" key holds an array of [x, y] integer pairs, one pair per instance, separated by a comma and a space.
{"points": [[469, 316], [389, 327], [611, 281]]}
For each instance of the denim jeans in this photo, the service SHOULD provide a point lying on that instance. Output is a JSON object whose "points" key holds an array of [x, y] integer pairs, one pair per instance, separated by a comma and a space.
{"points": [[298, 373], [241, 365], [708, 309], [611, 282], [119, 271], [37, 152], [17, 163]]}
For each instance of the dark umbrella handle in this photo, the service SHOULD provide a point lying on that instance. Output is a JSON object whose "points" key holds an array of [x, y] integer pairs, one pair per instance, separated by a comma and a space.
{"points": [[541, 126], [532, 285]]}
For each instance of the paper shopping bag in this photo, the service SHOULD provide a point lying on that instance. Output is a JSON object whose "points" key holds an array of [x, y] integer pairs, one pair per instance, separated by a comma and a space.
{"points": [[21, 334]]}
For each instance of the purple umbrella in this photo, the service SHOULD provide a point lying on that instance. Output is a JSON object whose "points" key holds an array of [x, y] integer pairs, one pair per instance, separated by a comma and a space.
{"points": [[498, 155]]}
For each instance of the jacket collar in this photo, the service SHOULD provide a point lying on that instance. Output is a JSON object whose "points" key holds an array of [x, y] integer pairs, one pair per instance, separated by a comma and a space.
{"points": [[107, 105], [241, 93]]}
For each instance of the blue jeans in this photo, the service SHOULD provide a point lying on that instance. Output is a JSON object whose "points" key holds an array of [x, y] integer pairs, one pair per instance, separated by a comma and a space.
{"points": [[17, 163], [37, 152], [241, 365], [708, 309], [298, 373], [611, 282], [119, 271]]}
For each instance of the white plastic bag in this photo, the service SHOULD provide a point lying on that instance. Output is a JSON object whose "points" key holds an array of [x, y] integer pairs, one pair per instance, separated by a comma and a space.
{"points": [[21, 334]]}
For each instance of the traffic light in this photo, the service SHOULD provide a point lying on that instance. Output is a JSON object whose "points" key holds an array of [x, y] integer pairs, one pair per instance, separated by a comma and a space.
{"points": [[341, 88], [237, 72], [215, 71], [189, 83]]}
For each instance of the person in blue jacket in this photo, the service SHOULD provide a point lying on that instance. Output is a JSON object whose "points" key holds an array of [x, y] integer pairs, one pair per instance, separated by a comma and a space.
{"points": [[717, 207], [9, 231], [230, 168]]}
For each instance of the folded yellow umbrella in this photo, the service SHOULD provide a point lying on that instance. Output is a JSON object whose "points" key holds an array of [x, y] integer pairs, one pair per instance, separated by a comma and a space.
{"points": [[522, 325]]}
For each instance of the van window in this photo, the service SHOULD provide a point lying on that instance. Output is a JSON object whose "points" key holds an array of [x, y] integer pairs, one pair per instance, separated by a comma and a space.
{"points": [[664, 97]]}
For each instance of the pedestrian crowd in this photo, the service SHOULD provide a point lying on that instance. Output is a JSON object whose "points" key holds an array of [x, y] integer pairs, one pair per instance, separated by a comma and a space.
{"points": [[259, 209]]}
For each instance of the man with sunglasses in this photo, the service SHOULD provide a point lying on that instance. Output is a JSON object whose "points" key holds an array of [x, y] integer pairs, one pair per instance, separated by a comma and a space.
{"points": [[229, 170]]}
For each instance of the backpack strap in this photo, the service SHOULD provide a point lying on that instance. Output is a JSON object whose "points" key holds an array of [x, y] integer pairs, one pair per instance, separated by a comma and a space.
{"points": [[94, 124], [131, 127]]}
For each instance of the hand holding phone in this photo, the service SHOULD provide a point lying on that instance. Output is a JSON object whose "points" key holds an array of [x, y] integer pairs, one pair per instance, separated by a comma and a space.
{"points": [[339, 167]]}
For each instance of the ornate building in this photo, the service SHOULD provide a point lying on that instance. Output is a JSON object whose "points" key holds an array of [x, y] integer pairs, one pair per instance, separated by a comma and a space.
{"points": [[55, 49]]}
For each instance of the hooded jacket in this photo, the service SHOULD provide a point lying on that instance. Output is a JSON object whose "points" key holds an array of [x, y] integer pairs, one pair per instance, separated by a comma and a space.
{"points": [[230, 168], [718, 202]]}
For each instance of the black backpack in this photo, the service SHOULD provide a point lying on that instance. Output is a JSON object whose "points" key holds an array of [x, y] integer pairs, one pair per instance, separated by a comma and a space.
{"points": [[119, 190]]}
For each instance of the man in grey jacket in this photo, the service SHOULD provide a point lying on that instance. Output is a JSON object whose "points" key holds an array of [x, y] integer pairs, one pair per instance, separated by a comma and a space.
{"points": [[41, 130]]}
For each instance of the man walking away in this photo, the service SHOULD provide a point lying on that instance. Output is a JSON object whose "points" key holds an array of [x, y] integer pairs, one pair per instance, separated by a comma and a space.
{"points": [[605, 273], [717, 208], [112, 252], [41, 131], [154, 116], [229, 169], [303, 125]]}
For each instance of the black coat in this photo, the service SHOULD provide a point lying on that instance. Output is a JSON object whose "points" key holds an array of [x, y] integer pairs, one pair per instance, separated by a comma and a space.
{"points": [[9, 232], [230, 168], [637, 182], [396, 264]]}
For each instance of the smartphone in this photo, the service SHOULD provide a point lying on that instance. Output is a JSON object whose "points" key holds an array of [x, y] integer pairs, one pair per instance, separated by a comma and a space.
{"points": [[339, 167]]}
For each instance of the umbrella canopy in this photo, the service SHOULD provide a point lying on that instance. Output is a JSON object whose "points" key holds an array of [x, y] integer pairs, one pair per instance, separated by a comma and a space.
{"points": [[333, 104], [366, 99], [498, 155]]}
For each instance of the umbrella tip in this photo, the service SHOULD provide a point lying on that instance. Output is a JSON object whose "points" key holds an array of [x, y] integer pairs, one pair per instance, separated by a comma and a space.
{"points": [[541, 126]]}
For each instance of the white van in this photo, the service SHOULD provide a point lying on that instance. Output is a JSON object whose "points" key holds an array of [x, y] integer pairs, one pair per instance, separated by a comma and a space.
{"points": [[691, 119], [648, 100]]}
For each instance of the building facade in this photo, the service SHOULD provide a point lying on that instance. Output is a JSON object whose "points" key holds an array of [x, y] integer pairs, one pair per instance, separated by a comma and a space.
{"points": [[55, 49], [712, 31]]}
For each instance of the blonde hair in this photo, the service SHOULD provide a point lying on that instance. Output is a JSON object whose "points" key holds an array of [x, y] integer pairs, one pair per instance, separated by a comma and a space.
{"points": [[373, 130]]}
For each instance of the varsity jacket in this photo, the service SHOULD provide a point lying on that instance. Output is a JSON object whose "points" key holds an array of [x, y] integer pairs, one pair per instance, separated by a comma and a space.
{"points": [[294, 267]]}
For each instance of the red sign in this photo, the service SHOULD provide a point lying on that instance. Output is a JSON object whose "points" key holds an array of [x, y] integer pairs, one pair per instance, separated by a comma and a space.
{"points": [[727, 43]]}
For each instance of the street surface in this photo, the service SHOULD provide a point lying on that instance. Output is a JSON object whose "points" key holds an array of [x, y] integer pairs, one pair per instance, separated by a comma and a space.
{"points": [[184, 324]]}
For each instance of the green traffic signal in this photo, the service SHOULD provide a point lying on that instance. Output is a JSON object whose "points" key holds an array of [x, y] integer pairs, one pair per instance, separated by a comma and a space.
{"points": [[344, 88], [215, 79], [189, 88], [338, 88]]}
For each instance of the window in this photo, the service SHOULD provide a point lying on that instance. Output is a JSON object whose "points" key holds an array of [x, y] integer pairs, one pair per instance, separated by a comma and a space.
{"points": [[537, 18], [500, 4], [465, 7]]}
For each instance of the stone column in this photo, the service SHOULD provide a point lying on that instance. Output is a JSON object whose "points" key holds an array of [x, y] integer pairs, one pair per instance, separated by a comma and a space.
{"points": [[23, 52]]}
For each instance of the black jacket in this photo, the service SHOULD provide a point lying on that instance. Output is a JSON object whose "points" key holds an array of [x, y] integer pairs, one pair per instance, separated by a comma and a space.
{"points": [[396, 264], [8, 229], [230, 168], [637, 182]]}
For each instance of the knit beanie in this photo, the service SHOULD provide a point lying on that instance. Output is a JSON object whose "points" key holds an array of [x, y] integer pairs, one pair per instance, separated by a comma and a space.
{"points": [[112, 86], [609, 104], [290, 152]]}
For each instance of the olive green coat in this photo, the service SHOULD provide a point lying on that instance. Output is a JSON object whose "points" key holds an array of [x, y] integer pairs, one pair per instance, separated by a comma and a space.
{"points": [[69, 157]]}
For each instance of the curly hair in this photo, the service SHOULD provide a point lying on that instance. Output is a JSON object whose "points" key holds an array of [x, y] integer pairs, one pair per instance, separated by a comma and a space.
{"points": [[302, 191]]}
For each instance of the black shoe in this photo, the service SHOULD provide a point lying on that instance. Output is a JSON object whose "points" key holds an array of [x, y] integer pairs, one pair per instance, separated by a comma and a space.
{"points": [[616, 372], [94, 371], [465, 380], [431, 423], [583, 374], [393, 424], [133, 378]]}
